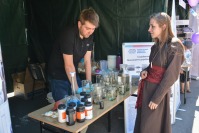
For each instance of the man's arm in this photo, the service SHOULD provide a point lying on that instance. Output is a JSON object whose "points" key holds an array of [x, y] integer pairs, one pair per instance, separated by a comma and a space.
{"points": [[87, 63], [69, 67]]}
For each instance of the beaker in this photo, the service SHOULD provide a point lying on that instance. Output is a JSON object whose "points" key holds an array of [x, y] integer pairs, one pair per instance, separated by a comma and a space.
{"points": [[86, 86]]}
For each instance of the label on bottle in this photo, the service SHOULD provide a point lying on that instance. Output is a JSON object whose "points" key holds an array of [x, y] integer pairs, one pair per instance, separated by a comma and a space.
{"points": [[64, 115], [80, 115]]}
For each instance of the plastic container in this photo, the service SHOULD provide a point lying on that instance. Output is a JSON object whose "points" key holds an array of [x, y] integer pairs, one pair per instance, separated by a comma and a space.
{"points": [[82, 95], [111, 62], [83, 100], [50, 98], [80, 113], [118, 61], [88, 110], [103, 65], [71, 116], [62, 113], [88, 97], [72, 104]]}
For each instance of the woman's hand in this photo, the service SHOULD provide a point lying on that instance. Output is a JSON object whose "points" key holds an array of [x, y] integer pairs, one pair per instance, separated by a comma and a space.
{"points": [[143, 74], [152, 105]]}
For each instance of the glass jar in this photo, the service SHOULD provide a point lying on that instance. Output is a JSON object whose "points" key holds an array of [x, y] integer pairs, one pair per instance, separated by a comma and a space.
{"points": [[121, 86], [111, 93], [97, 93], [86, 86]]}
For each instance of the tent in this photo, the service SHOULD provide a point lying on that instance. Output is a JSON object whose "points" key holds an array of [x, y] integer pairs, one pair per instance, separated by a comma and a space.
{"points": [[28, 28]]}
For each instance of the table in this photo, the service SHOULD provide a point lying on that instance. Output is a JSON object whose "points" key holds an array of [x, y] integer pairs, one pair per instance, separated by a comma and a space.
{"points": [[97, 113]]}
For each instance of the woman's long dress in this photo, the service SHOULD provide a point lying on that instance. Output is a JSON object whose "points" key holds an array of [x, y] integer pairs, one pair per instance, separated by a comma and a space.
{"points": [[170, 56]]}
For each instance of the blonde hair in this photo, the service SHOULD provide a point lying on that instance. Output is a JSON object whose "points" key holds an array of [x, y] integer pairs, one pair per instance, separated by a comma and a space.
{"points": [[89, 15], [163, 19]]}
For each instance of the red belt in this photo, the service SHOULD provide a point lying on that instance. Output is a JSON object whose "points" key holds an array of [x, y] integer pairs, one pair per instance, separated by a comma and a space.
{"points": [[155, 75]]}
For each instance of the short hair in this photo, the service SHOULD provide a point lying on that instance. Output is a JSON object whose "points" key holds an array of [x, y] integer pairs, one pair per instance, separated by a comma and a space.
{"points": [[89, 15]]}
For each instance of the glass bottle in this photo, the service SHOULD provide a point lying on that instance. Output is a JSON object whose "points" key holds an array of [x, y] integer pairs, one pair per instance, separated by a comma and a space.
{"points": [[121, 86], [118, 61], [73, 97]]}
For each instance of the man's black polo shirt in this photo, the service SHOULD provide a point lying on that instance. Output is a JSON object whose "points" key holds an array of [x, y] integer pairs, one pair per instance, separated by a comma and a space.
{"points": [[69, 43]]}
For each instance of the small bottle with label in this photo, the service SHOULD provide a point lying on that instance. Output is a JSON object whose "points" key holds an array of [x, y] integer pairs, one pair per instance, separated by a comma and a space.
{"points": [[70, 116], [80, 113], [118, 61], [88, 110], [62, 113], [121, 86], [82, 95], [83, 100]]}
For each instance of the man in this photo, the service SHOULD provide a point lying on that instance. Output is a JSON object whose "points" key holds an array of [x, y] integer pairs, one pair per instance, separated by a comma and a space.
{"points": [[74, 44]]}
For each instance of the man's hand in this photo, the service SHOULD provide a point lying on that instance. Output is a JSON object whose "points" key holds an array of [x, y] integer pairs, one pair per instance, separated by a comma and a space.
{"points": [[143, 74], [152, 105], [79, 90]]}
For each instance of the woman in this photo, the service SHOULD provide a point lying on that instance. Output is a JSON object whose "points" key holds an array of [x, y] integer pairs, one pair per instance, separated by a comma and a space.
{"points": [[166, 57]]}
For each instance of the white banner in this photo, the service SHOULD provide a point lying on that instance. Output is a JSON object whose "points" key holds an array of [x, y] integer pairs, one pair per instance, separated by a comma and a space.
{"points": [[5, 121], [136, 56], [195, 62]]}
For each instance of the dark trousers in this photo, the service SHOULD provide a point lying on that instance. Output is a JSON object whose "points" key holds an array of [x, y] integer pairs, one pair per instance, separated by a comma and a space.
{"points": [[61, 88]]}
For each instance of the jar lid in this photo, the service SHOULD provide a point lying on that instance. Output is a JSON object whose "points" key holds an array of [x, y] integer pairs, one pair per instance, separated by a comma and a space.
{"points": [[72, 104], [80, 107], [62, 106], [83, 93], [84, 100], [88, 104], [87, 96], [70, 109]]}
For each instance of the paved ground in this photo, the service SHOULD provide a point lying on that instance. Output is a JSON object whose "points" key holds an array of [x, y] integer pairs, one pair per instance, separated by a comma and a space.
{"points": [[188, 114], [187, 122]]}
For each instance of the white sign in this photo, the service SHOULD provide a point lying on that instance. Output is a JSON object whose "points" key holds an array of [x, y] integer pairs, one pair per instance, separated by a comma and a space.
{"points": [[182, 4], [136, 56], [5, 120], [130, 107]]}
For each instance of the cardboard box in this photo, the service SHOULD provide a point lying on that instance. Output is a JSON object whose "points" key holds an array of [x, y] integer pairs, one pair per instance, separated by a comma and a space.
{"points": [[23, 84]]}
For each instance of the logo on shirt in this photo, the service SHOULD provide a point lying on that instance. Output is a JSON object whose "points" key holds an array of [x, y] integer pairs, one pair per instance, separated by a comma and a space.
{"points": [[87, 45]]}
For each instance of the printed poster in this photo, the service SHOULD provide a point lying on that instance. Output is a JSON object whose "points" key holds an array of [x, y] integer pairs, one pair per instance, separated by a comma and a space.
{"points": [[136, 56]]}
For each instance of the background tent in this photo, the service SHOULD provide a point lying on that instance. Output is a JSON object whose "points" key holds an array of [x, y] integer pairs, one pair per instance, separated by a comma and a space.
{"points": [[120, 21]]}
